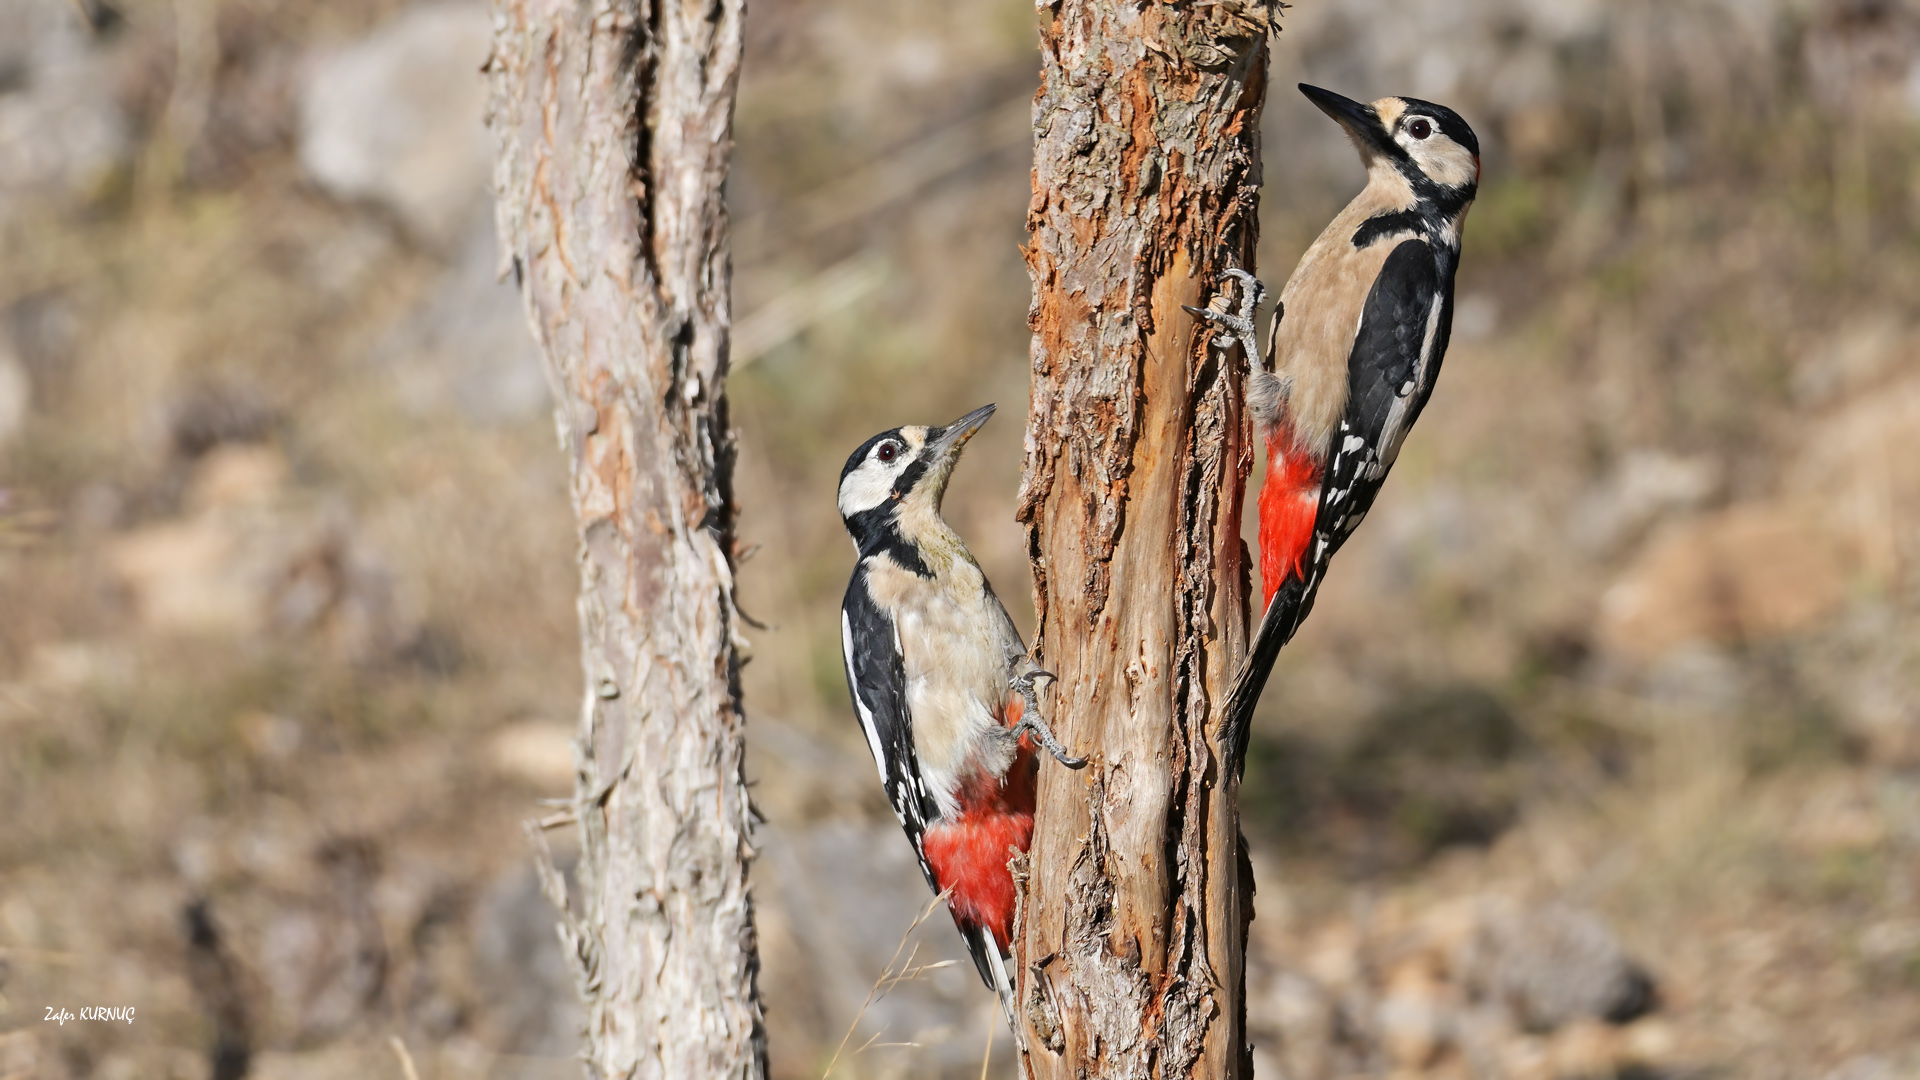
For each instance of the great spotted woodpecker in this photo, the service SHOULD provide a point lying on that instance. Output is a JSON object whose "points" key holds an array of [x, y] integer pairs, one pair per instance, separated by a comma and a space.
{"points": [[942, 683], [1355, 349]]}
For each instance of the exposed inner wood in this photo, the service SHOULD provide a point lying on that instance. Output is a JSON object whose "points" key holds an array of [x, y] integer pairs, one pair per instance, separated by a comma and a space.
{"points": [[1145, 188]]}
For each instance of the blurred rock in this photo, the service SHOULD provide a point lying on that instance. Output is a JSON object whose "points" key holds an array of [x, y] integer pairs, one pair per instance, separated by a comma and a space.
{"points": [[1646, 485], [1863, 463], [526, 988], [271, 737], [250, 561], [1294, 1019], [1861, 54], [1412, 1014], [15, 396], [468, 347], [61, 131], [324, 959], [397, 120], [1482, 985], [1553, 965], [1751, 571], [238, 476], [212, 412], [536, 753], [1430, 49], [1859, 352]]}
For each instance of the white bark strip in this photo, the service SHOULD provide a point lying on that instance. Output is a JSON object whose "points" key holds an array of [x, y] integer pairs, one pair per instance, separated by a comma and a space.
{"points": [[1145, 186], [614, 126]]}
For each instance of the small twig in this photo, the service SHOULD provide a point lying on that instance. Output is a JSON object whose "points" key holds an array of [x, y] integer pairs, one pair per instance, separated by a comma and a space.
{"points": [[406, 1059]]}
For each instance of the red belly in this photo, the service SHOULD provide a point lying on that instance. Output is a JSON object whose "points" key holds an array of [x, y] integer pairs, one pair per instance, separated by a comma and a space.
{"points": [[1289, 502], [969, 852]]}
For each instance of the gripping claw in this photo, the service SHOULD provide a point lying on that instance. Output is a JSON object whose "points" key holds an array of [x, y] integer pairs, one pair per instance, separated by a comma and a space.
{"points": [[1031, 722], [1239, 325]]}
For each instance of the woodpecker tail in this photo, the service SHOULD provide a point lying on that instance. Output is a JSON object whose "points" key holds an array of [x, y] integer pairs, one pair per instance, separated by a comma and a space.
{"points": [[993, 968], [1289, 608]]}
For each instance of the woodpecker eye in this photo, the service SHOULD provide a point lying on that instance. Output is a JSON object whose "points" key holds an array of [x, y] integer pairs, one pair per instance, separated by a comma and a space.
{"points": [[888, 451], [1420, 129]]}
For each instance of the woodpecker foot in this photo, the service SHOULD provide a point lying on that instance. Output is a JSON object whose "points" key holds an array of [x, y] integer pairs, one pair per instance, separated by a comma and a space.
{"points": [[1239, 325], [1031, 722]]}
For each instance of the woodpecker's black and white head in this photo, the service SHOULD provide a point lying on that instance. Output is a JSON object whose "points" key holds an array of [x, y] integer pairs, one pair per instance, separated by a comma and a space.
{"points": [[1420, 157], [891, 487]]}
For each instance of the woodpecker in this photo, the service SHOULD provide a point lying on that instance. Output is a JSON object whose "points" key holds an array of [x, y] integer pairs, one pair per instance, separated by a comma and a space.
{"points": [[942, 683], [1356, 345]]}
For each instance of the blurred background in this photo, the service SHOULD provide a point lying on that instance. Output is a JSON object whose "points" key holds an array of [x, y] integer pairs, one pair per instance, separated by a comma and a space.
{"points": [[1600, 756]]}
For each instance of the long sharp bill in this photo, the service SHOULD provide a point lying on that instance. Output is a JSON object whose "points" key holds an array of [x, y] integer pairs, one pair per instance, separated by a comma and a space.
{"points": [[1359, 118], [948, 440]]}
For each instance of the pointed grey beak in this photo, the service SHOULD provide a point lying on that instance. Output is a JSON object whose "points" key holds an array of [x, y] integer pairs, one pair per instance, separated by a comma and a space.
{"points": [[947, 441], [1361, 120]]}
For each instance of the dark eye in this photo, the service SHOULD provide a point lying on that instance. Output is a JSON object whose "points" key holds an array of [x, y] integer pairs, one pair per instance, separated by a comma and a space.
{"points": [[888, 451], [1419, 129]]}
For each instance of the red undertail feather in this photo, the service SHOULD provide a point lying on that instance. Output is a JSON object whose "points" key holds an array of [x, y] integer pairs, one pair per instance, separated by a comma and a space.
{"points": [[969, 853], [1289, 502]]}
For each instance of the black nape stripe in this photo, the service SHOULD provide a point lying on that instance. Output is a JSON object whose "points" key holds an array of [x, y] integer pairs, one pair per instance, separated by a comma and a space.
{"points": [[1381, 226], [876, 532], [1435, 206]]}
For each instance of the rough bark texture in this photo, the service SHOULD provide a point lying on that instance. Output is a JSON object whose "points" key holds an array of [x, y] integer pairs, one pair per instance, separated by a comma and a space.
{"points": [[614, 121], [1145, 186]]}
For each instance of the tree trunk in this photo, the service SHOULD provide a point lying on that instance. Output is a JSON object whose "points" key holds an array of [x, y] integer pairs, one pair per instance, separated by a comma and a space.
{"points": [[1145, 186], [614, 124]]}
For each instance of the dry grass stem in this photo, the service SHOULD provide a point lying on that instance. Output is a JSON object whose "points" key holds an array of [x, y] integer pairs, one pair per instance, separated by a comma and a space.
{"points": [[889, 977], [406, 1060]]}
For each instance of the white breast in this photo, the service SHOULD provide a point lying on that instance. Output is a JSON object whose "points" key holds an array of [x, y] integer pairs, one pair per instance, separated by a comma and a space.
{"points": [[953, 648]]}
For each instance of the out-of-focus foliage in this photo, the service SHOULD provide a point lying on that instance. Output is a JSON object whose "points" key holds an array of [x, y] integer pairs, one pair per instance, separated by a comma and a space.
{"points": [[1600, 755]]}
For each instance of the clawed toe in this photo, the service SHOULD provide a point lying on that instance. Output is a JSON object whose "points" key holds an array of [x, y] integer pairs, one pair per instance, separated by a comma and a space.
{"points": [[1031, 723], [1239, 325]]}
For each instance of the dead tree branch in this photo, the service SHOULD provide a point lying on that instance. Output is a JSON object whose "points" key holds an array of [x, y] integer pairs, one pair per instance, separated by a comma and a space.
{"points": [[614, 125]]}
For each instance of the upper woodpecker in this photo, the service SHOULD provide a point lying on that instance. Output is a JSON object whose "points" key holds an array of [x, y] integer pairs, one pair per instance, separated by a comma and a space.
{"points": [[1355, 349], [942, 683]]}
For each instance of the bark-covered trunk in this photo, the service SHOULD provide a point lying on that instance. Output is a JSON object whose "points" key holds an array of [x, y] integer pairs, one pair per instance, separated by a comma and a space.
{"points": [[1145, 186], [614, 123]]}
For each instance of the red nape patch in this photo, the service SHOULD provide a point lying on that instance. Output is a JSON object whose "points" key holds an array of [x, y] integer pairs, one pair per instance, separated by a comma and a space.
{"points": [[970, 858], [1289, 502]]}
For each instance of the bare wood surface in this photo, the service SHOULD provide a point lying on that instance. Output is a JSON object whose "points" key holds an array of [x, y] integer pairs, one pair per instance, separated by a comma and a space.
{"points": [[1145, 186], [614, 127]]}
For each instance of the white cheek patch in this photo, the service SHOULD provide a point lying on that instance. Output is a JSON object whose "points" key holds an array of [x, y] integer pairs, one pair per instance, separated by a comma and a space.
{"points": [[867, 487], [1446, 161]]}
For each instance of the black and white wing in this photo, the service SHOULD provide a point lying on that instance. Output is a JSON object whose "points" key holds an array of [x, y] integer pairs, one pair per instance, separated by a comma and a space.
{"points": [[1396, 356], [1390, 374], [877, 681]]}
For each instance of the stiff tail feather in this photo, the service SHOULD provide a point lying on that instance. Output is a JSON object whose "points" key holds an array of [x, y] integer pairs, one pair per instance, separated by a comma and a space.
{"points": [[1289, 608], [986, 952]]}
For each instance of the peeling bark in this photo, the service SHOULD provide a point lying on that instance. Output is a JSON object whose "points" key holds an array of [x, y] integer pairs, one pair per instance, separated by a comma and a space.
{"points": [[1145, 187], [614, 128]]}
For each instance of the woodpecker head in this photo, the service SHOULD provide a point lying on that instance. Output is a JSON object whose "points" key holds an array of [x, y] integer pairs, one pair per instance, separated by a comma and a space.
{"points": [[1424, 146], [894, 482]]}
